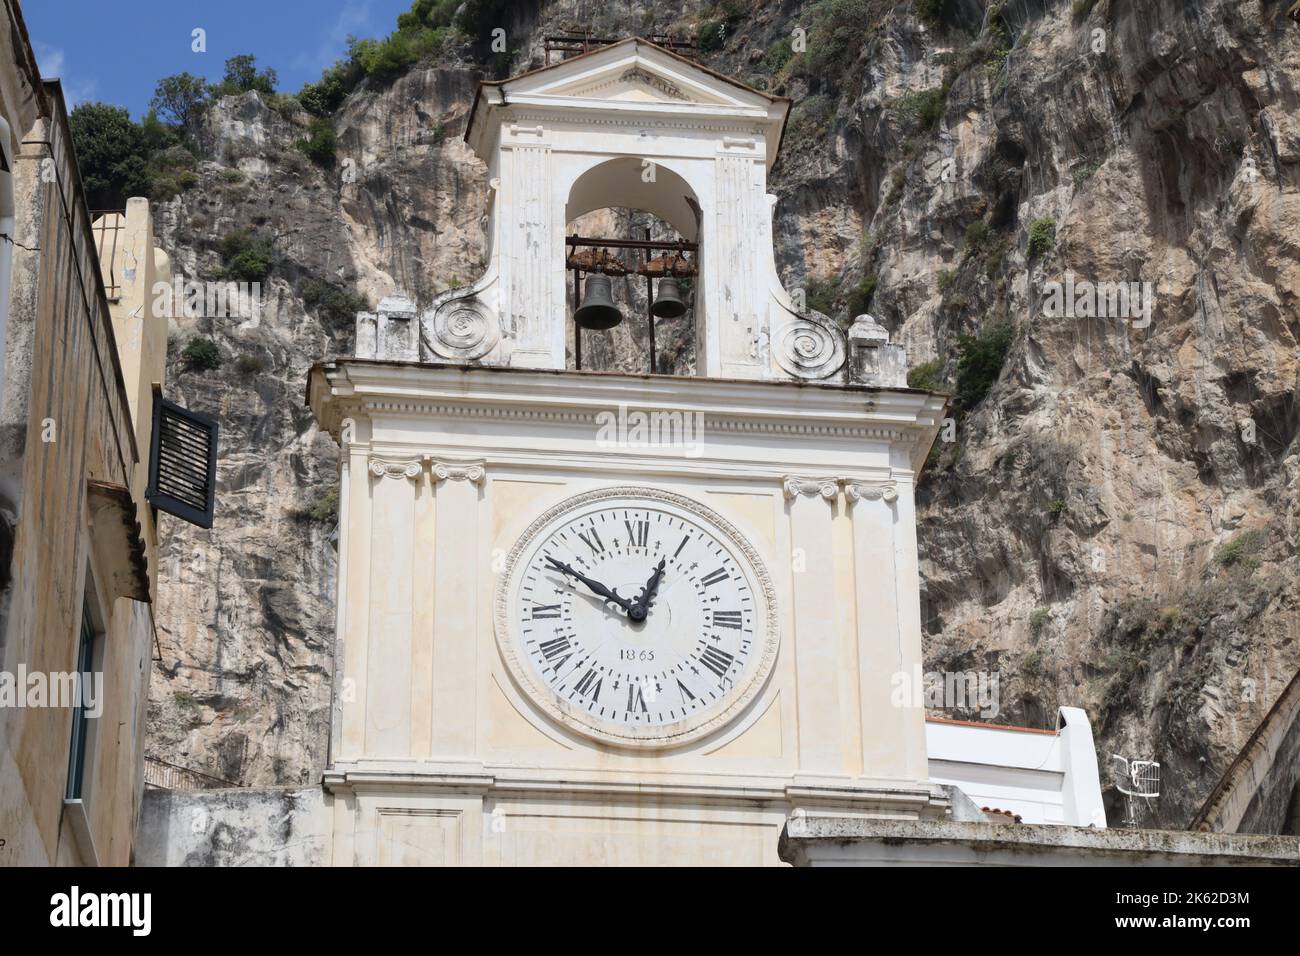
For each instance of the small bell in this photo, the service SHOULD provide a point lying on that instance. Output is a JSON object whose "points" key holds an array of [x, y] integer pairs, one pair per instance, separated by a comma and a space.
{"points": [[668, 302], [597, 310]]}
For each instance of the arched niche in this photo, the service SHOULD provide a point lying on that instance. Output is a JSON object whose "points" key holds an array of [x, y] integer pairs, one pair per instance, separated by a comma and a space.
{"points": [[622, 182], [617, 199]]}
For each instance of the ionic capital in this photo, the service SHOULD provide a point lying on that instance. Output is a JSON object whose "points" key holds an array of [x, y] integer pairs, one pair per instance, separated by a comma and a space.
{"points": [[387, 468], [472, 471], [794, 486], [862, 490]]}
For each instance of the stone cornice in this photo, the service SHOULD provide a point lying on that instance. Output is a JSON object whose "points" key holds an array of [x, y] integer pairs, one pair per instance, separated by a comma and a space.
{"points": [[374, 389], [589, 417], [736, 789], [559, 115]]}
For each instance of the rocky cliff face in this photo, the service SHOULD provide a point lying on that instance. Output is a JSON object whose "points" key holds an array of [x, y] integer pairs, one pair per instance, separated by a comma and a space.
{"points": [[1112, 525]]}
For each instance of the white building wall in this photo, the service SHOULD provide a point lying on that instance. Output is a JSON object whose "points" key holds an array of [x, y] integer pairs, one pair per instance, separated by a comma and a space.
{"points": [[1047, 777]]}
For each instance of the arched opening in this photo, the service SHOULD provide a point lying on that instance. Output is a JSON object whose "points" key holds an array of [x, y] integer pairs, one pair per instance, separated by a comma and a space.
{"points": [[638, 223]]}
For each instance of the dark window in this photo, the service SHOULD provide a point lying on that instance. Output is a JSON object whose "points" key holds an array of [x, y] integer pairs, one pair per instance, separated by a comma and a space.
{"points": [[183, 463], [80, 719]]}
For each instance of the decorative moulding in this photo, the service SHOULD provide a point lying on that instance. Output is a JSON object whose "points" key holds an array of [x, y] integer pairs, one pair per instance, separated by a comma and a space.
{"points": [[375, 390], [559, 119], [518, 413]]}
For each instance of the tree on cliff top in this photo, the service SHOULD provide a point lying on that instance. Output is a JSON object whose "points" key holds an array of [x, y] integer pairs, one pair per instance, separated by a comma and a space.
{"points": [[180, 99], [242, 76]]}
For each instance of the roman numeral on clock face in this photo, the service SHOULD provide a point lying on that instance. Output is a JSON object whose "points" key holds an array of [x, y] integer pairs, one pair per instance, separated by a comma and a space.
{"points": [[638, 533], [718, 661], [634, 699], [597, 546], [589, 686], [684, 690], [726, 619], [714, 577], [556, 651], [542, 612]]}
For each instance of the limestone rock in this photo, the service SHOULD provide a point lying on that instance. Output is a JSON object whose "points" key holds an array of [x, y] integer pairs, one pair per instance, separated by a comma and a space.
{"points": [[1114, 526]]}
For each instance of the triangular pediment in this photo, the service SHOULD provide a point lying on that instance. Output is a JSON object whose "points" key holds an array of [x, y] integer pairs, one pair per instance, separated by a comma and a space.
{"points": [[629, 81], [635, 71], [636, 84]]}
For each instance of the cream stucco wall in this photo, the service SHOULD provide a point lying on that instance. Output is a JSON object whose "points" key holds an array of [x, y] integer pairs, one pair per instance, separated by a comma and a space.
{"points": [[71, 458], [438, 755]]}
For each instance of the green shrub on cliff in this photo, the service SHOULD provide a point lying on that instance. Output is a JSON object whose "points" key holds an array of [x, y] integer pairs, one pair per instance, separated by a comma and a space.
{"points": [[1042, 237], [246, 257], [320, 143], [927, 375], [201, 354], [979, 362], [335, 308], [323, 509]]}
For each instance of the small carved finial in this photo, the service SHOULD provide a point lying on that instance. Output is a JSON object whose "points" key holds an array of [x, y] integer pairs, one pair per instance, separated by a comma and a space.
{"points": [[868, 332], [872, 360]]}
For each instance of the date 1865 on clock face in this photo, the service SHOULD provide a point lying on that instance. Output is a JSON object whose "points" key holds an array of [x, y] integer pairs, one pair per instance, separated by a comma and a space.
{"points": [[638, 618]]}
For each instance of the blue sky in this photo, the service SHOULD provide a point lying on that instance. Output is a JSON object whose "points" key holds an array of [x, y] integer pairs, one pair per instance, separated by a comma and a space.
{"points": [[116, 52]]}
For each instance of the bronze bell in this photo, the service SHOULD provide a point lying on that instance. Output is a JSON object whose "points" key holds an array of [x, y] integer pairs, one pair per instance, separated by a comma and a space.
{"points": [[597, 310], [668, 302]]}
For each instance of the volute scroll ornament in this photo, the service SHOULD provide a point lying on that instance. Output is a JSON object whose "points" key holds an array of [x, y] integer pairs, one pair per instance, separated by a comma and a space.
{"points": [[884, 491], [474, 472], [794, 486], [385, 468], [460, 330], [808, 347]]}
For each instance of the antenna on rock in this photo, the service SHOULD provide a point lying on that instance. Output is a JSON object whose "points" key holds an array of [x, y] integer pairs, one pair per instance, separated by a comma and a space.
{"points": [[1139, 781]]}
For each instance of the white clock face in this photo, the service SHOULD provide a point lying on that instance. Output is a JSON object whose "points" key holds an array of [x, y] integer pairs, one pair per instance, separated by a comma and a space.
{"points": [[641, 617]]}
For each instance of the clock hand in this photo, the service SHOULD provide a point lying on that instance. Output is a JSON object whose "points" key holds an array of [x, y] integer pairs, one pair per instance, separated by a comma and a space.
{"points": [[641, 606], [595, 586]]}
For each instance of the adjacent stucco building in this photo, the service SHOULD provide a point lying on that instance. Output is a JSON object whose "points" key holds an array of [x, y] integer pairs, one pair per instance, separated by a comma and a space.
{"points": [[78, 542]]}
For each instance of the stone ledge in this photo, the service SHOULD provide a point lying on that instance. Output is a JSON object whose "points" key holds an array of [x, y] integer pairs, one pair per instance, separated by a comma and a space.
{"points": [[119, 540], [856, 841]]}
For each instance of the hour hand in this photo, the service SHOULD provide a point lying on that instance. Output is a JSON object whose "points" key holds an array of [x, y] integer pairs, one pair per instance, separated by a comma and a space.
{"points": [[595, 586], [641, 606]]}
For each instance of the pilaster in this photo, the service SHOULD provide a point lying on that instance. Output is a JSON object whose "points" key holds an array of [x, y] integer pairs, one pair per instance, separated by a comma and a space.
{"points": [[884, 653], [394, 485], [457, 605], [810, 503]]}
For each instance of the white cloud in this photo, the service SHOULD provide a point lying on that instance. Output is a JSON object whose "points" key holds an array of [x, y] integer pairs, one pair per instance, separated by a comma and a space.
{"points": [[53, 65], [353, 18], [49, 59]]}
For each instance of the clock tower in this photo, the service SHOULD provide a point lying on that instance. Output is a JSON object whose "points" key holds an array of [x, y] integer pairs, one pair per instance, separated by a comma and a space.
{"points": [[599, 618]]}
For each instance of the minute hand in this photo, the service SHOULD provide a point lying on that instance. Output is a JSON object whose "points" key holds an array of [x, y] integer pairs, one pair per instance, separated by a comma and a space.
{"points": [[595, 586]]}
